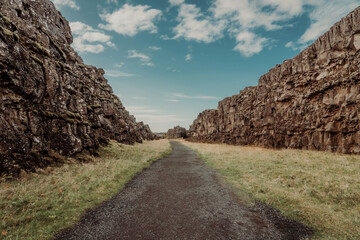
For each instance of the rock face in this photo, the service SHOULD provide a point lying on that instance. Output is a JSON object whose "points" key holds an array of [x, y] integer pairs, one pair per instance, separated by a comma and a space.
{"points": [[176, 132], [51, 103], [309, 102]]}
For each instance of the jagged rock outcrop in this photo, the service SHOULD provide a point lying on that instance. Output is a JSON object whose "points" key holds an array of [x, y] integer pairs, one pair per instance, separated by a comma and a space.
{"points": [[309, 102], [176, 132], [144, 132], [51, 103]]}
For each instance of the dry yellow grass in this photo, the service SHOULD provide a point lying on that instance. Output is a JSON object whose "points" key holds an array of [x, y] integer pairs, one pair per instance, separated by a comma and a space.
{"points": [[319, 189], [38, 205]]}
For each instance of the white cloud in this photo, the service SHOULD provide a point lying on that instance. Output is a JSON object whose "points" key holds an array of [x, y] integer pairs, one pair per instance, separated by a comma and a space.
{"points": [[165, 37], [193, 25], [119, 65], [88, 39], [68, 3], [173, 100], [249, 44], [244, 19], [176, 2], [116, 73], [172, 69], [246, 14], [112, 1], [155, 48], [130, 20], [188, 57], [136, 54], [149, 64], [181, 95], [321, 20], [142, 57]]}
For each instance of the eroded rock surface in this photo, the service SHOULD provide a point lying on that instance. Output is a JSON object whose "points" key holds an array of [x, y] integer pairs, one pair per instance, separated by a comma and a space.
{"points": [[309, 102], [51, 103], [176, 132]]}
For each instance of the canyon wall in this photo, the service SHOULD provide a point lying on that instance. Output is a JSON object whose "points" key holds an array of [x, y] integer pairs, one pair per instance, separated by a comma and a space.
{"points": [[176, 132], [51, 103], [309, 102]]}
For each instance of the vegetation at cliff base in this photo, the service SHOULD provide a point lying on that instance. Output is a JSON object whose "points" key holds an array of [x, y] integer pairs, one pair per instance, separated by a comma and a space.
{"points": [[320, 189], [38, 205]]}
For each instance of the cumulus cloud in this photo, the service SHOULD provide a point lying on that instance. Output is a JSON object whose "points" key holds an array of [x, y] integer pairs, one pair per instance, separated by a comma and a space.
{"points": [[246, 14], [193, 25], [244, 19], [88, 39], [130, 20], [249, 44], [68, 3], [188, 57]]}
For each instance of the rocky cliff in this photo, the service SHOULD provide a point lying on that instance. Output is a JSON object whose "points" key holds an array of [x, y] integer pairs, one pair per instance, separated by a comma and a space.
{"points": [[51, 103], [309, 102], [176, 132]]}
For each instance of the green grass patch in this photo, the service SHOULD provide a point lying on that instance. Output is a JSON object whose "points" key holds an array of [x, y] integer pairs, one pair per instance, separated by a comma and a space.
{"points": [[38, 205], [320, 189]]}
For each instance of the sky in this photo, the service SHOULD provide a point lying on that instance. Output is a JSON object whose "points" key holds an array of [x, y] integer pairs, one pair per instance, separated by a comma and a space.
{"points": [[168, 60]]}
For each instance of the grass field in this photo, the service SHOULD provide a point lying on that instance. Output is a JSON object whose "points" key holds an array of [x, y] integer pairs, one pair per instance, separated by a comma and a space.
{"points": [[38, 205], [319, 189]]}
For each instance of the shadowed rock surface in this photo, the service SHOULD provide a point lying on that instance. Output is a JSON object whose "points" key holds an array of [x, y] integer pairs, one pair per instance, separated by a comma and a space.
{"points": [[51, 103], [178, 197], [309, 102], [176, 132]]}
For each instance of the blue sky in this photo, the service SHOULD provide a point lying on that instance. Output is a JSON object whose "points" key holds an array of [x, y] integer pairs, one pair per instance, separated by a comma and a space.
{"points": [[168, 60]]}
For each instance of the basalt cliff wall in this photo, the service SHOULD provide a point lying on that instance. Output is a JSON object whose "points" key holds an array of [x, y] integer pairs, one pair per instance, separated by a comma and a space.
{"points": [[51, 103], [309, 102], [176, 132]]}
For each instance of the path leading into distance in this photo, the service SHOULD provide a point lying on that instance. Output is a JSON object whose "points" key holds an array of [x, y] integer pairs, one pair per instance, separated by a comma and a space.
{"points": [[178, 197]]}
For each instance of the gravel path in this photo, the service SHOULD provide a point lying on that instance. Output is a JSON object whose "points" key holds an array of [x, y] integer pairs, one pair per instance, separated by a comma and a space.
{"points": [[178, 197]]}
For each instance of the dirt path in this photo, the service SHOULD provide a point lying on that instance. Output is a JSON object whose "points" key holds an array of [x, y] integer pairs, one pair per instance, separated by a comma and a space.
{"points": [[178, 197]]}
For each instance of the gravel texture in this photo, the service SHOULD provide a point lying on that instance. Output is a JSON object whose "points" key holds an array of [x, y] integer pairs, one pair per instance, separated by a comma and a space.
{"points": [[178, 197]]}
